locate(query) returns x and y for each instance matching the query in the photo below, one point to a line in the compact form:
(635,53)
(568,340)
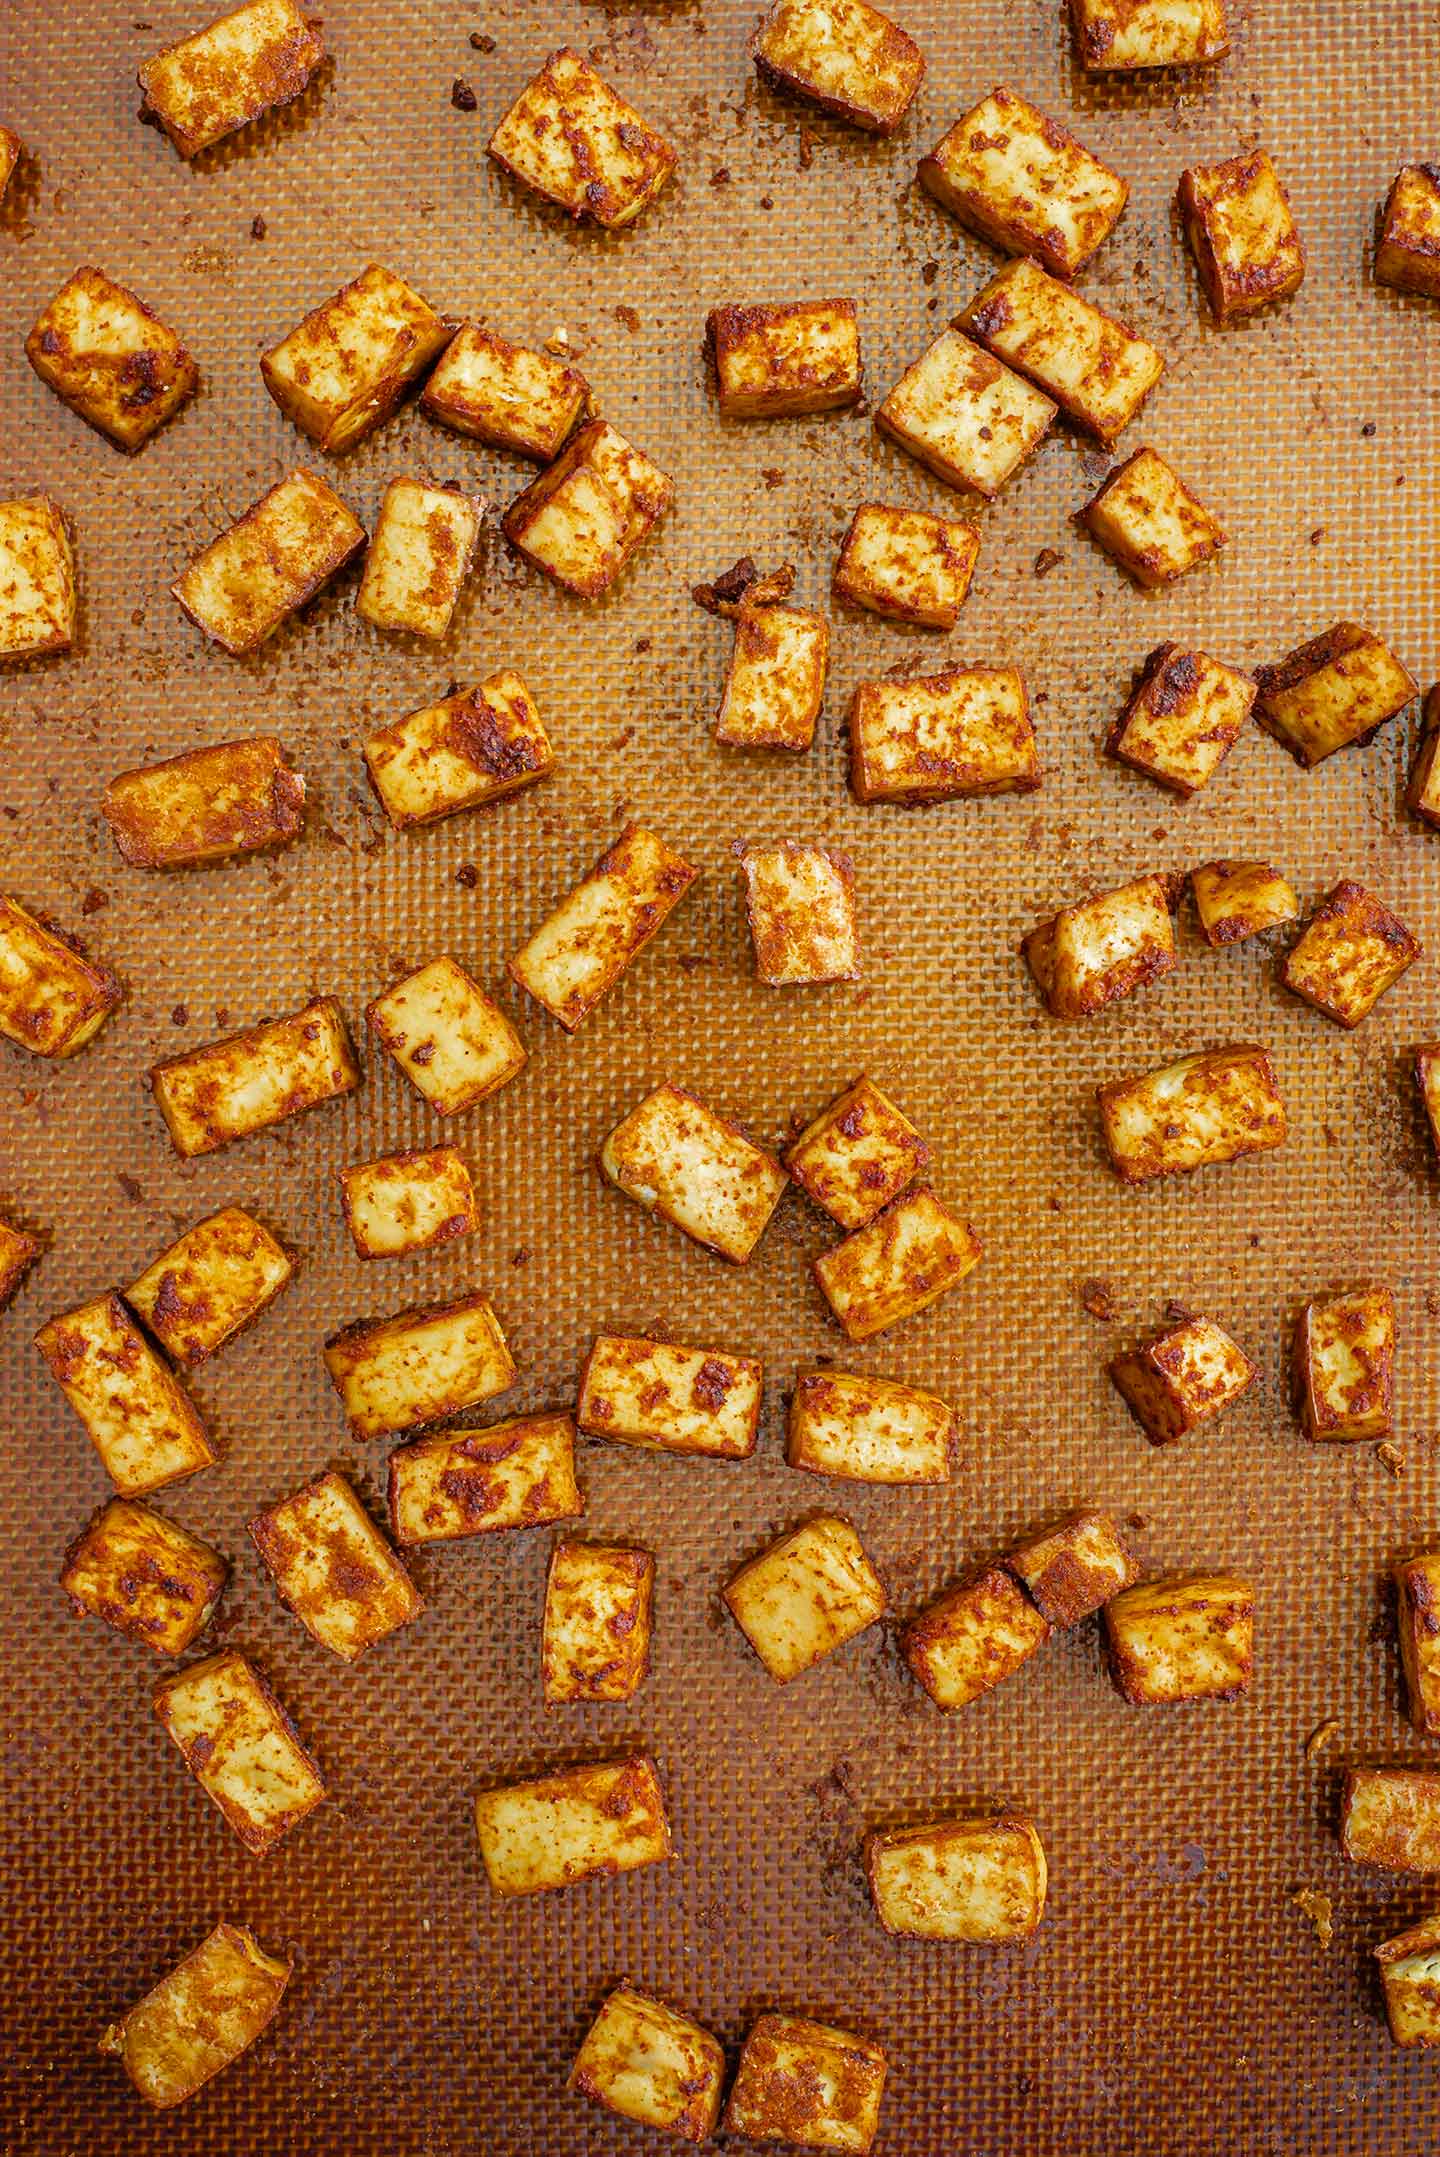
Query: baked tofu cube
(1129,34)
(578,954)
(843,56)
(471,748)
(868,1429)
(807,2085)
(676,1157)
(1184,1637)
(241,1747)
(958,1879)
(469,1482)
(1236,899)
(676,1400)
(243,1084)
(966,418)
(279,554)
(1417,1619)
(1023,182)
(595,1642)
(1091,954)
(1146,519)
(1339,688)
(1391,1817)
(906,565)
(1343,1367)
(210,1285)
(800,905)
(12,149)
(1094,367)
(37,579)
(899,1263)
(1407,249)
(1410,1978)
(451,1041)
(421,554)
(206,805)
(1427,1077)
(1211,1107)
(1182,1379)
(576,141)
(201,2016)
(583,519)
(256,57)
(777,362)
(776,682)
(604,1817)
(1351,951)
(506,395)
(334,1568)
(1073,1569)
(1422,795)
(419,1366)
(144,1576)
(941,737)
(408,1202)
(805,1596)
(52,998)
(1183,719)
(857,1155)
(114,362)
(644,2062)
(971,1637)
(18,1252)
(1241,232)
(139,1418)
(343,370)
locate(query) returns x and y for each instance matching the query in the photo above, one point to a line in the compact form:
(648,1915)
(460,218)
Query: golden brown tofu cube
(868,1429)
(474,747)
(1211,1107)
(334,1568)
(1410,1977)
(906,565)
(644,2062)
(1407,250)
(452,1042)
(966,418)
(842,55)
(799,901)
(576,141)
(200,2017)
(605,1817)
(1146,519)
(519,1474)
(578,954)
(210,1285)
(1183,719)
(1351,951)
(1417,1618)
(1236,899)
(971,1637)
(250,1080)
(595,1641)
(774,362)
(245,63)
(421,554)
(1241,232)
(206,805)
(1090,954)
(857,1155)
(1092,365)
(37,579)
(941,737)
(1427,1077)
(1129,34)
(677,1400)
(1422,795)
(1184,1637)
(958,1879)
(676,1157)
(1073,1569)
(52,998)
(241,1747)
(408,1202)
(144,1576)
(901,1262)
(776,681)
(18,1252)
(1339,688)
(419,1366)
(1391,1817)
(805,1596)
(114,362)
(12,149)
(1023,182)
(140,1420)
(279,554)
(1343,1367)
(506,395)
(581,520)
(343,370)
(1182,1379)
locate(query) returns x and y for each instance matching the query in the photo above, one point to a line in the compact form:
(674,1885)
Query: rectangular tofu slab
(1023,182)
(1147,520)
(210,1285)
(279,554)
(805,1596)
(1183,1378)
(940,737)
(1241,231)
(52,998)
(506,395)
(578,954)
(595,1639)
(906,565)
(799,902)
(1350,952)
(576,141)
(333,1567)
(1391,1817)
(1407,253)
(471,748)
(459,1483)
(141,1574)
(1236,899)
(1094,367)
(1214,1106)
(899,1263)
(1091,954)
(1343,1366)
(200,2017)
(776,681)
(1339,688)
(243,1084)
(676,1157)
(343,370)
(1071,1570)
(966,1880)
(808,2085)
(1183,720)
(204,805)
(976,1634)
(842,55)
(869,1430)
(241,65)
(966,418)
(858,1154)
(1417,1620)
(421,553)
(642,2061)
(779,361)
(1183,1637)
(37,578)
(605,1817)
(111,359)
(140,1420)
(1410,1978)
(241,1747)
(1132,34)
(581,520)
(675,1400)
(419,1366)
(408,1202)
(451,1040)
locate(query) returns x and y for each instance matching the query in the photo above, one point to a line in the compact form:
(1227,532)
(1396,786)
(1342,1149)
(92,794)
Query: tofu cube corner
(333,1567)
(582,520)
(1183,1637)
(342,371)
(238,797)
(451,1040)
(37,578)
(144,1576)
(906,565)
(779,361)
(1215,1106)
(111,359)
(1351,951)
(673,1399)
(1022,181)
(506,395)
(459,1483)
(972,1637)
(420,1365)
(200,2017)
(942,737)
(1417,1617)
(677,1158)
(1184,1378)
(1422,795)
(643,2061)
(1074,1568)
(1407,250)
(18,1253)
(1091,954)
(595,1638)
(470,749)
(1185,716)
(578,954)
(1410,1978)
(408,1202)
(800,905)
(140,1420)
(1427,1078)
(898,1264)
(970,1880)
(285,548)
(233,1088)
(603,1817)
(1241,231)
(1343,1366)
(241,1747)
(1236,899)
(842,55)
(805,1596)
(576,141)
(242,65)
(868,1430)
(1339,688)
(964,416)
(1092,365)
(858,1154)
(53,999)
(1133,34)
(421,553)
(1391,1817)
(1147,520)
(776,680)
(210,1285)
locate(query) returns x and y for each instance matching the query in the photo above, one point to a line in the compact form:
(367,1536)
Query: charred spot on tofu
(976,1634)
(1182,1637)
(605,1817)
(1093,366)
(37,579)
(677,1400)
(644,2062)
(284,549)
(343,370)
(1134,34)
(1211,1107)
(968,419)
(958,1879)
(243,64)
(595,1638)
(477,746)
(857,1155)
(111,359)
(506,395)
(842,55)
(1184,718)
(1351,951)
(1023,182)
(1242,234)
(1147,519)
(333,1567)
(243,1084)
(677,1158)
(579,954)
(774,361)
(965,731)
(1182,1379)
(805,1596)
(459,1483)
(1407,250)
(574,140)
(800,906)
(1236,899)
(53,999)
(238,797)
(582,520)
(200,2017)
(1091,954)
(241,1747)
(1339,688)
(1074,1568)
(18,1253)
(140,1573)
(1343,1366)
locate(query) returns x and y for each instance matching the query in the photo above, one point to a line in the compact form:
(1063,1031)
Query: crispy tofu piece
(1351,951)
(1091,954)
(408,1202)
(676,1157)
(805,1596)
(18,1252)
(140,1420)
(452,1042)
(201,2016)
(939,737)
(12,149)
(144,1576)
(1242,234)
(1182,1378)
(576,141)
(776,681)
(977,1633)
(807,2085)
(857,1155)
(422,552)
(966,418)
(899,1263)
(241,1747)
(578,954)
(779,361)
(644,2062)
(958,1879)
(420,1365)
(37,578)
(279,554)
(1417,1619)
(1147,520)
(334,1568)
(1407,248)
(519,1474)
(1073,1569)
(676,1400)
(906,565)
(1023,182)
(581,520)
(210,1285)
(1410,1978)
(206,805)
(243,1084)
(799,901)
(595,1641)
(471,748)
(1236,899)
(113,361)
(52,998)
(1183,719)
(1422,795)
(868,1429)
(843,56)
(343,370)
(1214,1106)
(1129,34)
(1343,1366)
(245,63)
(1391,1817)
(1093,366)
(1427,1077)
(506,395)
(1339,688)
(603,1817)
(1183,1637)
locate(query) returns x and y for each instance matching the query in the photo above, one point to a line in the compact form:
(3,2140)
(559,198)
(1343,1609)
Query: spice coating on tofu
(1242,234)
(420,1365)
(141,1422)
(906,565)
(241,65)
(1343,1366)
(1183,1379)
(644,2062)
(345,368)
(149,1579)
(1093,366)
(1134,34)
(1391,1817)
(53,999)
(1183,1637)
(333,1567)
(1211,1107)
(210,1285)
(206,805)
(808,2085)
(842,55)
(870,1430)
(1422,795)
(965,731)
(1407,251)
(805,1596)
(1427,1078)
(421,553)
(1352,950)
(241,1747)
(579,954)
(1024,183)
(1074,1568)
(676,1157)
(899,1263)
(408,1202)
(968,419)
(37,579)
(279,554)
(1417,1618)
(972,1637)
(1236,899)
(605,1817)
(1337,689)
(506,395)
(575,140)
(200,2017)
(111,359)
(1147,519)
(966,1880)
(677,1400)
(776,361)
(858,1154)
(581,520)
(1183,719)
(243,1084)
(12,149)
(451,1040)
(1091,954)
(595,1637)
(474,747)
(519,1474)
(776,680)
(18,1252)
(1410,1976)
(799,901)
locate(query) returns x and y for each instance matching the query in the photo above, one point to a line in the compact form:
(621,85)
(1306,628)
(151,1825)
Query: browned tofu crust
(111,358)
(1391,1817)
(1074,1568)
(1238,221)
(205,1106)
(807,2085)
(1023,182)
(842,55)
(1410,1975)
(1136,34)
(259,55)
(1185,716)
(1352,950)
(333,1568)
(1407,251)
(1215,1106)
(785,359)
(200,2017)
(53,998)
(581,520)
(1417,1619)
(269,562)
(1339,688)
(18,1252)
(574,139)
(141,1574)
(206,804)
